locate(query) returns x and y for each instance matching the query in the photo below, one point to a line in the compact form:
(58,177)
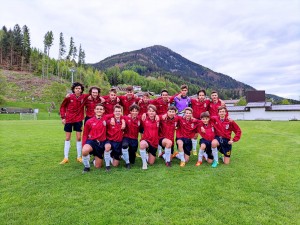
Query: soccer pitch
(260,186)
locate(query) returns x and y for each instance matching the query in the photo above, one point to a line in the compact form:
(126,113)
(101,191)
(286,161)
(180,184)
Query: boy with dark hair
(110,101)
(114,134)
(186,130)
(131,133)
(168,124)
(199,105)
(214,104)
(206,130)
(149,139)
(94,138)
(72,114)
(91,102)
(224,129)
(143,103)
(182,100)
(128,99)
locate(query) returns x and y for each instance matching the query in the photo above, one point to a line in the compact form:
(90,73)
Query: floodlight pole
(72,70)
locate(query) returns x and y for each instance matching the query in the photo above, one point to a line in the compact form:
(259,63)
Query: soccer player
(162,103)
(91,102)
(224,129)
(94,138)
(181,101)
(166,132)
(186,130)
(110,101)
(206,130)
(143,103)
(199,105)
(114,134)
(131,133)
(149,139)
(128,99)
(72,114)
(214,104)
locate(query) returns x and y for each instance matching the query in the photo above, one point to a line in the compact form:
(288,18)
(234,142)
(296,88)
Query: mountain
(161,60)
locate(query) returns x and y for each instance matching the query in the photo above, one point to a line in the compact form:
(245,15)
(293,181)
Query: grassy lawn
(260,186)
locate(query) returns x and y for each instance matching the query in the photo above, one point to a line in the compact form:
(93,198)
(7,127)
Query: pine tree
(62,51)
(17,47)
(71,49)
(48,42)
(26,49)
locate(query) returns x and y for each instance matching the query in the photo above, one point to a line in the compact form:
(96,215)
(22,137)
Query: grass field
(260,186)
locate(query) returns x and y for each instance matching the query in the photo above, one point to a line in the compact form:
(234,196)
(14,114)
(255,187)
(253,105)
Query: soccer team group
(112,125)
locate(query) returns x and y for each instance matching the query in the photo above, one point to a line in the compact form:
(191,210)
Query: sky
(253,41)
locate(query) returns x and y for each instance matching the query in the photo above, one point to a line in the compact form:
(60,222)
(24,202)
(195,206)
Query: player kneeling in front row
(115,127)
(149,139)
(166,132)
(223,129)
(94,138)
(206,130)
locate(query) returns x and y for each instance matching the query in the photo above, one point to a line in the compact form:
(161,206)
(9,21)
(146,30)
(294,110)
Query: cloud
(256,42)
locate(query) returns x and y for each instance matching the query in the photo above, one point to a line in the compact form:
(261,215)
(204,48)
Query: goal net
(28,116)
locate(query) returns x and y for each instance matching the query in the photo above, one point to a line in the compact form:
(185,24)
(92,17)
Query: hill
(161,60)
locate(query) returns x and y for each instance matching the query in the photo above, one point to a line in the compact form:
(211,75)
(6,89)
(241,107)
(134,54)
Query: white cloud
(256,42)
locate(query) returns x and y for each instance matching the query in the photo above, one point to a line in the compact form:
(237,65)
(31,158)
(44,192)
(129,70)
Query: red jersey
(209,134)
(126,103)
(132,127)
(143,106)
(94,129)
(186,128)
(150,131)
(72,108)
(213,108)
(167,127)
(114,132)
(90,105)
(224,128)
(109,104)
(199,107)
(161,106)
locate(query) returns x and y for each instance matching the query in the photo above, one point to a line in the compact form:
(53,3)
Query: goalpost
(28,116)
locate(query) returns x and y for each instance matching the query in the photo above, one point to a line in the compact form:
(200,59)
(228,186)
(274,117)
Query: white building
(264,111)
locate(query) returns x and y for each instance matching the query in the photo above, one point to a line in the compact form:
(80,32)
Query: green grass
(260,186)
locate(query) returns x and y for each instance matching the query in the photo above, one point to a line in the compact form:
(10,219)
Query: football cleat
(107,169)
(198,163)
(182,164)
(161,154)
(175,154)
(194,152)
(145,166)
(168,164)
(137,155)
(65,160)
(79,159)
(214,164)
(86,170)
(127,165)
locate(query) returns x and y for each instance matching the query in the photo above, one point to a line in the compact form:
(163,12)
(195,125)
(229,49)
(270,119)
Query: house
(264,111)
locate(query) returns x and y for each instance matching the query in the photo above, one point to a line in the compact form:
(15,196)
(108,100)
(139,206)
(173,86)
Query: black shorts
(160,143)
(86,119)
(187,145)
(116,149)
(207,148)
(224,147)
(151,149)
(98,147)
(129,143)
(77,126)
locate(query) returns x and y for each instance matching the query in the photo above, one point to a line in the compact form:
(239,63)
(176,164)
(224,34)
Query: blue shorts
(77,126)
(160,143)
(224,147)
(187,145)
(116,148)
(98,147)
(129,143)
(207,148)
